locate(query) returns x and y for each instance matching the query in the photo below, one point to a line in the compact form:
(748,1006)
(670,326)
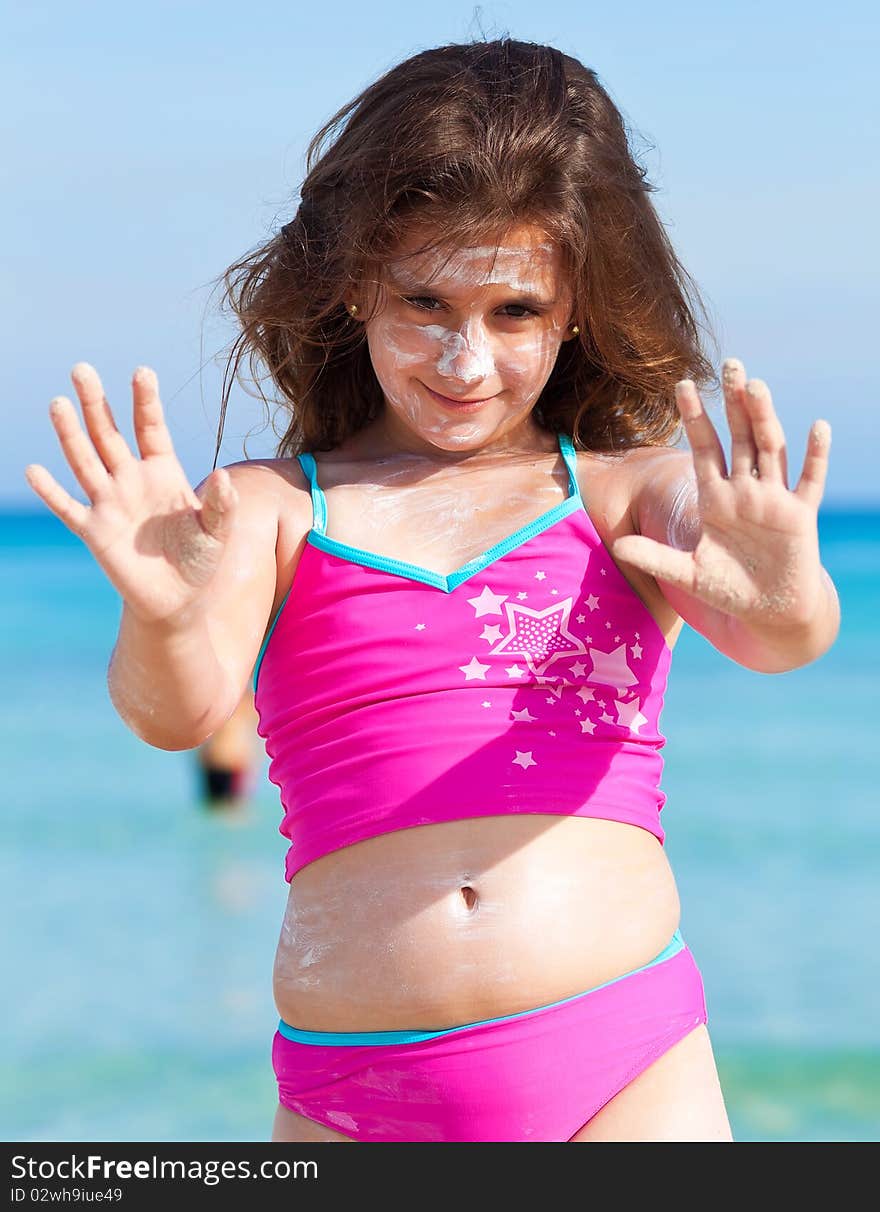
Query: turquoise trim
(359,1038)
(319,501)
(569,454)
(269,637)
(413,572)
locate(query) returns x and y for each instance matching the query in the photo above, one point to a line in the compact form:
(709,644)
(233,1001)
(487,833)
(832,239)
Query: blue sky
(149,145)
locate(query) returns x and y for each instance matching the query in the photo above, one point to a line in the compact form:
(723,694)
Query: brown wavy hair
(462,142)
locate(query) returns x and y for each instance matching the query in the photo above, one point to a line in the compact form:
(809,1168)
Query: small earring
(574,330)
(353,309)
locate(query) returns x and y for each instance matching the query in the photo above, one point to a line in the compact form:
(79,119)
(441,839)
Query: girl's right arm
(195,568)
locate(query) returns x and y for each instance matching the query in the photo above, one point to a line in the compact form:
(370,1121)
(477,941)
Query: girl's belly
(445,924)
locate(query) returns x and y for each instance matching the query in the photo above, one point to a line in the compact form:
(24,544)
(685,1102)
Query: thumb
(656,559)
(218,502)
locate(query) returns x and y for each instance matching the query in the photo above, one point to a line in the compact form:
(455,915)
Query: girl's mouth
(470,405)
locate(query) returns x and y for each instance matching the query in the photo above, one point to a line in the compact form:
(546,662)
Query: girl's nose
(467,356)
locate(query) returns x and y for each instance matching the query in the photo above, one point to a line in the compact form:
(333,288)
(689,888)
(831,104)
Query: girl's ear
(571,331)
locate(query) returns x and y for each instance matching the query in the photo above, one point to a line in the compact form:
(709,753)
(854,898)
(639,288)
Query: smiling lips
(455,403)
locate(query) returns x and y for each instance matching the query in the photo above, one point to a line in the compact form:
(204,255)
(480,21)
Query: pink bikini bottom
(539,1075)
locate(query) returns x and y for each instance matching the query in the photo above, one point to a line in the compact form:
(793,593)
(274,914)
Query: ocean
(139,929)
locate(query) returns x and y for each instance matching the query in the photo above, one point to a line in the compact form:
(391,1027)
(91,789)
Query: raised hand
(157,540)
(757,557)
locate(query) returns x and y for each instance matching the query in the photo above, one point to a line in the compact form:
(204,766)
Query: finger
(705,445)
(218,500)
(111,446)
(811,485)
(743,452)
(767,429)
(150,430)
(657,560)
(71,512)
(78,450)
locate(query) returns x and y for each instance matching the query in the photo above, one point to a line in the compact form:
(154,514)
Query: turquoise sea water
(139,931)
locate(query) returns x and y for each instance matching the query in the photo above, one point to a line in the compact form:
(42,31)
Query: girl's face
(463,344)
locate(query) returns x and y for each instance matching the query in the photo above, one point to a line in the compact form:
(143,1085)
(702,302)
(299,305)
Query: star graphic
(488,602)
(540,636)
(579,669)
(474,670)
(586,694)
(582,618)
(593,602)
(524,716)
(420,627)
(553,591)
(514,671)
(524,759)
(607,717)
(588,726)
(522,596)
(629,715)
(636,650)
(540,576)
(491,633)
(485,703)
(611,669)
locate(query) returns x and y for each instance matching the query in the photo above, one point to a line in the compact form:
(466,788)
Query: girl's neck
(387,438)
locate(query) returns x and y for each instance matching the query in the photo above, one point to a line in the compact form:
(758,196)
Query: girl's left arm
(735,552)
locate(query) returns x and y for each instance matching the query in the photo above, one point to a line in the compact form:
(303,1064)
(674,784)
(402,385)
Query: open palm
(758,553)
(157,540)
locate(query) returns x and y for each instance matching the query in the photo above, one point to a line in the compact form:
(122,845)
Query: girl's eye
(426,302)
(423,302)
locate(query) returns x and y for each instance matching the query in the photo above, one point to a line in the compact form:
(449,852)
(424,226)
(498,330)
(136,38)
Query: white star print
(540,636)
(522,596)
(524,759)
(611,669)
(474,670)
(514,671)
(488,602)
(486,703)
(579,669)
(492,634)
(588,726)
(586,694)
(582,618)
(606,716)
(554,591)
(629,715)
(420,627)
(592,601)
(636,650)
(540,576)
(524,716)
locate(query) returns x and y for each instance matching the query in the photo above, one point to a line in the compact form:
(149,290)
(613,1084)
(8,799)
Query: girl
(457,590)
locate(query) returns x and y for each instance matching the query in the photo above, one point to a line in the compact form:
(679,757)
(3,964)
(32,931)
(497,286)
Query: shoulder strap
(319,503)
(566,449)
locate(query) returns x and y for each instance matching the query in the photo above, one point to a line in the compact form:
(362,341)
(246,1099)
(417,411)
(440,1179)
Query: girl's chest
(438,527)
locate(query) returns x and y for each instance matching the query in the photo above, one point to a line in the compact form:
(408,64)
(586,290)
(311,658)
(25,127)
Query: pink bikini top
(530,680)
